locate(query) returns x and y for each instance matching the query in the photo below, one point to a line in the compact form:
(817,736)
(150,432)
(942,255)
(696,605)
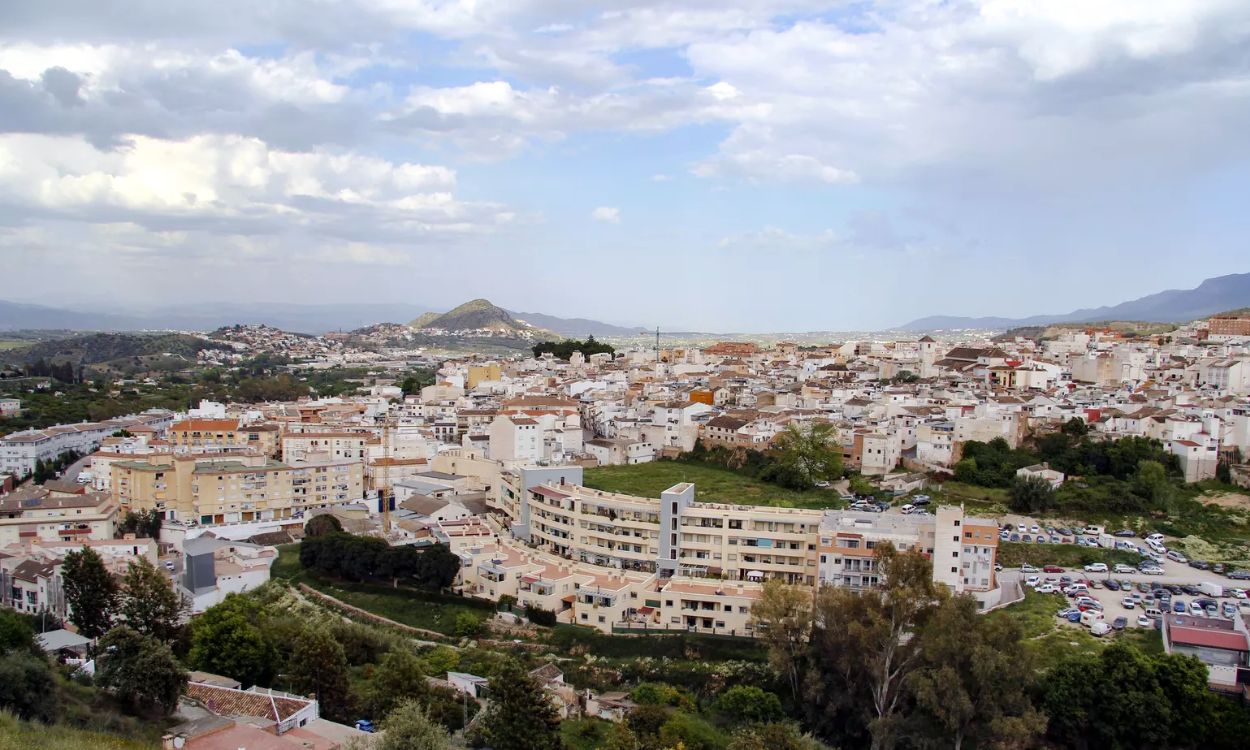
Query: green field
(418,609)
(1012,554)
(16,734)
(986,501)
(1051,640)
(712,485)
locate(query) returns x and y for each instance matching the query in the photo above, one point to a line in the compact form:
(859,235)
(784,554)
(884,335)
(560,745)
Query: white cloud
(607,214)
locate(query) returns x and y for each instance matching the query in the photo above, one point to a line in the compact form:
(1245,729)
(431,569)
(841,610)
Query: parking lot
(1112,602)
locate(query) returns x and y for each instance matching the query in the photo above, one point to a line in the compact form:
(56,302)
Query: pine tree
(149,603)
(90,592)
(521,716)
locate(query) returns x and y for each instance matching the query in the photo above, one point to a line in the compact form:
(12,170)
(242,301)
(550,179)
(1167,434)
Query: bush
(468,625)
(28,687)
(747,703)
(540,616)
(692,732)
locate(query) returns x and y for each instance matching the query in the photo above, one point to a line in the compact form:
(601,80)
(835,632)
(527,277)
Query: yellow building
(482,374)
(214,490)
(223,436)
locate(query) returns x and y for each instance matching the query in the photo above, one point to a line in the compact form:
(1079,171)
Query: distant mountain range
(577,328)
(1172,306)
(315,319)
(297,318)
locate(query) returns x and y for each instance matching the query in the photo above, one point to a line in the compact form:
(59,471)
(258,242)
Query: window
(953,570)
(955,553)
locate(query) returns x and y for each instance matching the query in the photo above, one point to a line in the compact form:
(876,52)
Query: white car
(1032,580)
(1238,593)
(1151,570)
(1096,568)
(1122,568)
(1128,603)
(1026,568)
(1099,629)
(1144,622)
(1046,588)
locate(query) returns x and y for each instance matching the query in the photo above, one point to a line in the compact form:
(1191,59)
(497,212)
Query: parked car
(1229,610)
(1099,629)
(1128,603)
(1096,568)
(1144,621)
(1237,593)
(1239,575)
(1046,588)
(1015,537)
(1175,556)
(1026,568)
(1178,606)
(1064,530)
(1119,623)
(1200,564)
(1052,569)
(1125,533)
(1150,570)
(1032,580)
(1191,589)
(1067,612)
(1218,568)
(1122,568)
(1111,584)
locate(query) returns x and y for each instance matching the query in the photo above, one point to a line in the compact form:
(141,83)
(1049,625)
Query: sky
(744,165)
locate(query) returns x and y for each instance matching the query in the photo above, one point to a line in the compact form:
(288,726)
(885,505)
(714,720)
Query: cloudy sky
(715,164)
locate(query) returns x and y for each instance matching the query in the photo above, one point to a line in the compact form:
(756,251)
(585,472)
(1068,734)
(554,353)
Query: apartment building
(223,436)
(21,451)
(231,489)
(37,513)
(963,549)
(673,534)
(303,446)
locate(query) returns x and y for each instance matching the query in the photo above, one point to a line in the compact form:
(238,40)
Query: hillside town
(490,459)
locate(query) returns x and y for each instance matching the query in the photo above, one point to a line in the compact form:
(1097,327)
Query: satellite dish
(179,741)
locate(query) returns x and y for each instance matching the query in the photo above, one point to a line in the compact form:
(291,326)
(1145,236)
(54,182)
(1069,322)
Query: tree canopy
(90,592)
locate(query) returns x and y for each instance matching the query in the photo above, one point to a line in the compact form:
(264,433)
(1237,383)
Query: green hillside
(120,351)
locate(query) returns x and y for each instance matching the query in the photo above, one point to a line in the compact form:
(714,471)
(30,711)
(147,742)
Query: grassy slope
(712,485)
(406,606)
(1051,641)
(15,734)
(1071,556)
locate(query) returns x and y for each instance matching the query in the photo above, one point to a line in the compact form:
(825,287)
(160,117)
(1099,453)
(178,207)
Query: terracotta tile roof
(231,702)
(206,425)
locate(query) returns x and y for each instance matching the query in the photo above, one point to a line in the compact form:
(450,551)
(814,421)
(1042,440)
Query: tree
(859,658)
(1031,495)
(620,737)
(400,675)
(969,685)
(749,704)
(520,715)
(777,736)
(227,640)
(783,618)
(321,525)
(16,633)
(140,669)
(690,731)
(149,603)
(1075,428)
(1151,483)
(806,455)
(318,666)
(27,686)
(90,592)
(409,727)
(467,625)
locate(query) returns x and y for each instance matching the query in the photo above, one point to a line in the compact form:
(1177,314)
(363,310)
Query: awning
(755,574)
(529,579)
(645,611)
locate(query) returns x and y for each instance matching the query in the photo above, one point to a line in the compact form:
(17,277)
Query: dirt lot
(1233,500)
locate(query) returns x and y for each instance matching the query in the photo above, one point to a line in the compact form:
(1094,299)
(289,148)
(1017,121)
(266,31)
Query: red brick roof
(231,702)
(1230,640)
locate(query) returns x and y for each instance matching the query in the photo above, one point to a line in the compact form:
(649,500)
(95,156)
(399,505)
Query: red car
(1052,569)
